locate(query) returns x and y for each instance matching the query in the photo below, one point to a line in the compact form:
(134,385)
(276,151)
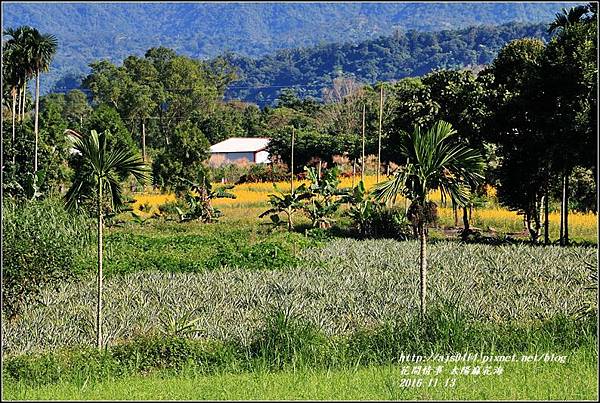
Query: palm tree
(40,49)
(566,18)
(102,167)
(436,161)
(23,67)
(17,70)
(11,80)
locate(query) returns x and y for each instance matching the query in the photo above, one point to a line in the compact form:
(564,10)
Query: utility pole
(566,209)
(319,171)
(546,223)
(362,168)
(143,141)
(292,163)
(380,127)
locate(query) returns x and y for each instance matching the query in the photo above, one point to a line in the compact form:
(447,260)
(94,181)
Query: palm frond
(434,162)
(112,188)
(123,160)
(103,164)
(387,190)
(73,195)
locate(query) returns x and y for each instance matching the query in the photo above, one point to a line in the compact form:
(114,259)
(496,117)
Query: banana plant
(199,199)
(362,207)
(33,184)
(325,201)
(288,204)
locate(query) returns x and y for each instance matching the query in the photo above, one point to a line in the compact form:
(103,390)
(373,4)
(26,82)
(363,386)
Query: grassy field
(574,380)
(346,307)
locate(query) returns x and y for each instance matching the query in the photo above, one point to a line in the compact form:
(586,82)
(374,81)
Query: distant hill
(383,59)
(92,31)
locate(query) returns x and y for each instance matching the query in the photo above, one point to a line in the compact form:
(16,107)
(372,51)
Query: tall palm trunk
(535,232)
(14,102)
(423,267)
(99,296)
(290,222)
(143,141)
(19,105)
(37,113)
(564,211)
(455,212)
(24,101)
(466,220)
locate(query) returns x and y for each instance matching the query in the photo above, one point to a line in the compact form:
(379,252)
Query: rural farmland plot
(345,286)
(407,217)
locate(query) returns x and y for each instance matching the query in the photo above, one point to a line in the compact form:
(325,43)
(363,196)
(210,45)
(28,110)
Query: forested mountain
(92,31)
(383,59)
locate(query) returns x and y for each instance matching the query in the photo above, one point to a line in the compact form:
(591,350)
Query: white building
(237,149)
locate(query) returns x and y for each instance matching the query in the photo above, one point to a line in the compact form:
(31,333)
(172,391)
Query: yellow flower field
(254,196)
(246,194)
(152,199)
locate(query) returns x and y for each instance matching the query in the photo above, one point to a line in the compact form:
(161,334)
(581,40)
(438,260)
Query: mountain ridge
(113,31)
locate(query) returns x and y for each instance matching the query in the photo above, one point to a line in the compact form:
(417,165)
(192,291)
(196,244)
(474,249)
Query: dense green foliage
(387,58)
(543,97)
(217,246)
(53,152)
(115,31)
(372,218)
(287,342)
(182,158)
(42,245)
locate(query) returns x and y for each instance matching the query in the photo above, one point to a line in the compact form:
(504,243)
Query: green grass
(286,343)
(194,247)
(574,380)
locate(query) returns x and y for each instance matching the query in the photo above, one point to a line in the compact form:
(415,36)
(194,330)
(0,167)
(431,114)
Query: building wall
(232,157)
(262,157)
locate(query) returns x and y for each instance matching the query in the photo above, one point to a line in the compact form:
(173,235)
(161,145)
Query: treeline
(113,30)
(531,113)
(408,54)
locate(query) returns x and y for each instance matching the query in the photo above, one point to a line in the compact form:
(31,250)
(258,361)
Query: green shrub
(386,222)
(42,245)
(372,219)
(147,353)
(265,173)
(170,208)
(199,196)
(79,366)
(287,341)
